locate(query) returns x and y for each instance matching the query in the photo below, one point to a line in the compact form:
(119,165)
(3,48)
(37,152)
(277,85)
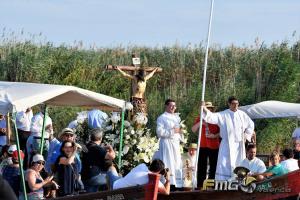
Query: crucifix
(138,76)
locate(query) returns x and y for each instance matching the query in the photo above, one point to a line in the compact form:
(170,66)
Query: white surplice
(235,127)
(169,144)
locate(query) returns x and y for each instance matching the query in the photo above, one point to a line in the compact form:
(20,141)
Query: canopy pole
(8,129)
(203,93)
(19,155)
(121,140)
(43,129)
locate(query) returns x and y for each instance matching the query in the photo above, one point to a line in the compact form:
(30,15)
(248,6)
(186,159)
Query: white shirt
(137,176)
(255,165)
(24,120)
(290,164)
(296,133)
(37,124)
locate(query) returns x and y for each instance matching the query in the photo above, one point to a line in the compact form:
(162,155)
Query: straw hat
(66,131)
(193,146)
(209,104)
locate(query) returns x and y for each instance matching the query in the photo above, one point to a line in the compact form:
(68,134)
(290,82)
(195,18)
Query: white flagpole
(203,93)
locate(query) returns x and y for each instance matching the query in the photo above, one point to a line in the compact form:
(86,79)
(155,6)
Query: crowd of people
(66,168)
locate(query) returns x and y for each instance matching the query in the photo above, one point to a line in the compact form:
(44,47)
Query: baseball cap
(12,148)
(37,157)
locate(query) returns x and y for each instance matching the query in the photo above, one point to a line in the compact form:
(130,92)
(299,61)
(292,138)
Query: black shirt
(94,161)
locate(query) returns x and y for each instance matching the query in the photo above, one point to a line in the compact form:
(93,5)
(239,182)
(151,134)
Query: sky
(152,23)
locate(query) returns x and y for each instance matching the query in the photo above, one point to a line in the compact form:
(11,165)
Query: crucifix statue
(138,76)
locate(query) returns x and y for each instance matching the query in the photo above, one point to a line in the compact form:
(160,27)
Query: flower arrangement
(139,146)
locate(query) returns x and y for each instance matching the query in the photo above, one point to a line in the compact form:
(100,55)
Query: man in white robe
(235,127)
(169,132)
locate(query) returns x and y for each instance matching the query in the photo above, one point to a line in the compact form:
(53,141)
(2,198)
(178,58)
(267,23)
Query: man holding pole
(209,147)
(235,126)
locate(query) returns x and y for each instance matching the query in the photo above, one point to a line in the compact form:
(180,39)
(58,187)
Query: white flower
(132,132)
(133,142)
(115,117)
(146,159)
(127,137)
(127,123)
(125,149)
(182,125)
(128,106)
(140,118)
(81,116)
(139,132)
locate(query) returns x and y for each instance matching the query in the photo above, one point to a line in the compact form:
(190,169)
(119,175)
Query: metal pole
(43,129)
(19,155)
(121,140)
(203,93)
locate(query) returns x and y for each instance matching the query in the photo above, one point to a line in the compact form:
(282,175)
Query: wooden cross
(130,72)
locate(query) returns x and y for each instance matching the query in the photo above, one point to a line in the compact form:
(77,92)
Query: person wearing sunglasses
(33,179)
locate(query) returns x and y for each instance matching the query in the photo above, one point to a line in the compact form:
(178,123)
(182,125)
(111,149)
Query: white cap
(12,148)
(37,157)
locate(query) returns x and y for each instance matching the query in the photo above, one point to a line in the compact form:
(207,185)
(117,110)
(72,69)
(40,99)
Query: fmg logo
(246,185)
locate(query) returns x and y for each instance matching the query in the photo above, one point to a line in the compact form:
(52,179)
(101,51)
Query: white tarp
(20,95)
(272,109)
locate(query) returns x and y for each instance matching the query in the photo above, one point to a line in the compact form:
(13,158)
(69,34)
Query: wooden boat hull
(141,192)
(283,187)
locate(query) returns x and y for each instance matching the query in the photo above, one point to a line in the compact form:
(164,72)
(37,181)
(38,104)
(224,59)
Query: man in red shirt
(209,147)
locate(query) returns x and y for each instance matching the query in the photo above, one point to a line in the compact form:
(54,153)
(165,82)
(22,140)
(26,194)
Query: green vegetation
(253,74)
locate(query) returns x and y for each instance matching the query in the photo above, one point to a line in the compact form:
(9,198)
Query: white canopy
(272,109)
(18,96)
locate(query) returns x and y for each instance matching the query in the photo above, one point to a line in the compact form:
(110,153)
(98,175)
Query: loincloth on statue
(139,105)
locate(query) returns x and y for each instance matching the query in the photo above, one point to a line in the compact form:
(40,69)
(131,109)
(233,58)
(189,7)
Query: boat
(282,187)
(140,192)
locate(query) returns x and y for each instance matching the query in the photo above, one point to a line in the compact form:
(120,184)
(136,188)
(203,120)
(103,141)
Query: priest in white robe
(235,127)
(169,134)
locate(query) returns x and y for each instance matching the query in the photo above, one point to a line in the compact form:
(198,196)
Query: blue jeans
(112,177)
(92,185)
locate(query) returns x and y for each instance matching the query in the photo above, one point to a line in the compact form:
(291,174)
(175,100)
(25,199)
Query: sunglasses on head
(41,162)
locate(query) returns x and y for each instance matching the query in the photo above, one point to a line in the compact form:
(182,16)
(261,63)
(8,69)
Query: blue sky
(152,23)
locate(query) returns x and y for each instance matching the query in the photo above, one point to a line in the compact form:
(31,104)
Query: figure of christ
(138,88)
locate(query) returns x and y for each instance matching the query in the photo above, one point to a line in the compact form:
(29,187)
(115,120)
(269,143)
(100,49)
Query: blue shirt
(54,145)
(277,170)
(96,118)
